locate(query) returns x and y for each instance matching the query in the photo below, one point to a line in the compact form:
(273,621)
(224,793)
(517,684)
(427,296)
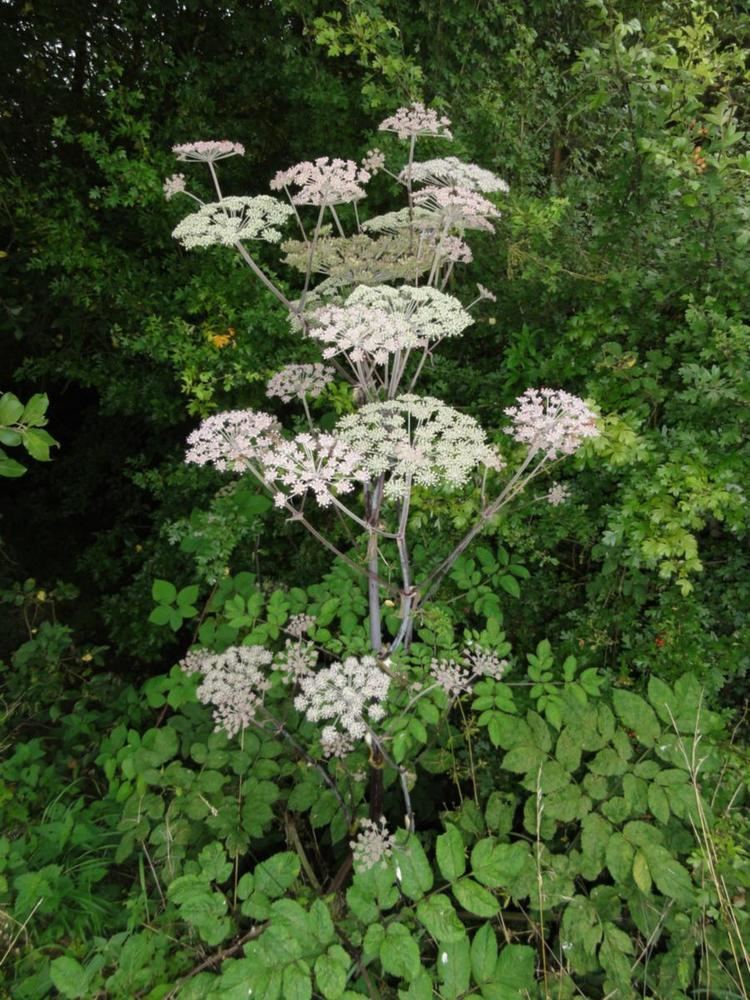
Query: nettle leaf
(637,714)
(475,898)
(438,915)
(450,853)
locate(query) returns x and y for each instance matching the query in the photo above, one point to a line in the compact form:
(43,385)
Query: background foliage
(621,274)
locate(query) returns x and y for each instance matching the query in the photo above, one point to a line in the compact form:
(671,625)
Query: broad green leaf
(35,410)
(641,873)
(450,853)
(484,954)
(658,803)
(10,468)
(163,592)
(399,952)
(296,981)
(454,968)
(670,877)
(188,595)
(275,875)
(496,865)
(636,714)
(161,615)
(11,409)
(619,857)
(475,898)
(515,967)
(69,977)
(331,973)
(437,914)
(413,870)
(37,443)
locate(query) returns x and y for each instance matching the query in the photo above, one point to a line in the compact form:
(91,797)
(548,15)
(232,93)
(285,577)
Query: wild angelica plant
(375,303)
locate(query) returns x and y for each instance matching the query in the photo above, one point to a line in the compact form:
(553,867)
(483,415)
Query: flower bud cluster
(551,421)
(173,185)
(559,493)
(350,694)
(300,624)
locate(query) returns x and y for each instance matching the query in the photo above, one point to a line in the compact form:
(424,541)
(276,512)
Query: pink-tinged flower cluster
(232,220)
(173,185)
(415,121)
(323,182)
(298,381)
(208,152)
(362,331)
(458,207)
(233,684)
(551,421)
(373,161)
(349,694)
(322,463)
(558,494)
(485,663)
(451,677)
(454,249)
(372,844)
(452,172)
(296,660)
(335,744)
(231,440)
(299,625)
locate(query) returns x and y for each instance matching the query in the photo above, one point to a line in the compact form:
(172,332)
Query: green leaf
(619,857)
(413,870)
(641,873)
(275,875)
(11,409)
(296,983)
(496,865)
(637,714)
(515,968)
(483,954)
(161,615)
(331,973)
(399,952)
(450,853)
(10,468)
(475,898)
(658,803)
(9,437)
(35,410)
(568,750)
(454,968)
(510,585)
(68,976)
(188,596)
(163,592)
(437,914)
(37,444)
(670,877)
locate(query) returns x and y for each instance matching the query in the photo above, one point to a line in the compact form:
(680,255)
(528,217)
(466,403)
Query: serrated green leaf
(437,914)
(163,592)
(451,854)
(69,977)
(641,873)
(636,714)
(484,954)
(475,898)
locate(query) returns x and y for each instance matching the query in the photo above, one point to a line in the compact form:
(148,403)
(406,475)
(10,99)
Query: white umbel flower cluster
(234,684)
(349,694)
(230,440)
(372,844)
(452,678)
(551,421)
(559,493)
(449,171)
(361,332)
(485,663)
(335,744)
(323,463)
(432,314)
(299,625)
(417,439)
(417,120)
(232,220)
(297,659)
(298,381)
(208,152)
